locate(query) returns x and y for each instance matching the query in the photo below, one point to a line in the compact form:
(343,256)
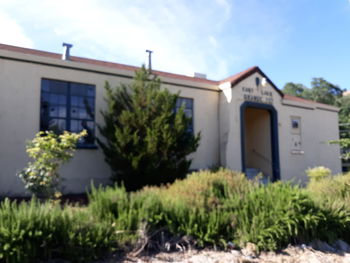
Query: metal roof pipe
(66,51)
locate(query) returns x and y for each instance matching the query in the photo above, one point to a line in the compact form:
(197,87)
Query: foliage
(273,216)
(215,208)
(49,151)
(317,173)
(332,194)
(335,189)
(325,92)
(191,207)
(210,208)
(344,117)
(295,89)
(146,140)
(34,231)
(321,91)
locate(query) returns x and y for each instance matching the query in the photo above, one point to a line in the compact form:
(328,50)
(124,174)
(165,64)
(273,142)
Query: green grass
(213,208)
(40,231)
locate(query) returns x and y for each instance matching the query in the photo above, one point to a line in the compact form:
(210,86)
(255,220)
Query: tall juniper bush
(146,138)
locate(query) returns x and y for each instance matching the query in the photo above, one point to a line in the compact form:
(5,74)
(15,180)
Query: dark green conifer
(146,139)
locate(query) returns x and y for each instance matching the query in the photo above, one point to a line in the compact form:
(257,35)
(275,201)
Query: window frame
(192,109)
(68,105)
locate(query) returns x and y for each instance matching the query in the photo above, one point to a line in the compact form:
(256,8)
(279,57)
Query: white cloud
(12,34)
(186,37)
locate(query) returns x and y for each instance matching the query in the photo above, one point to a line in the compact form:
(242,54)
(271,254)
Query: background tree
(294,89)
(146,140)
(325,92)
(321,91)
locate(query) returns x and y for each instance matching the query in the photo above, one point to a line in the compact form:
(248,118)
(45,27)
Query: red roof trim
(103,63)
(302,100)
(235,79)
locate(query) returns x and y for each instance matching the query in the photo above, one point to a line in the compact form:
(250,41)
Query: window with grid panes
(188,109)
(68,106)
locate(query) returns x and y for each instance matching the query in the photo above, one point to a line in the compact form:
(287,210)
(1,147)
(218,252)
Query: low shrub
(318,173)
(273,216)
(217,207)
(35,231)
(190,207)
(333,190)
(211,208)
(206,189)
(332,194)
(126,211)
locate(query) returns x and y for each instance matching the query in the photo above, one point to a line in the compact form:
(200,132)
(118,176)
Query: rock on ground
(292,254)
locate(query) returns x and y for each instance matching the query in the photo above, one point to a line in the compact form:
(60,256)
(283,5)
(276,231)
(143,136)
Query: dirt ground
(292,254)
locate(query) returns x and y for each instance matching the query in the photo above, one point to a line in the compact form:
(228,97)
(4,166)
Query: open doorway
(259,145)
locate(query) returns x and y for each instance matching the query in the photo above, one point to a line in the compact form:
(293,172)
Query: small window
(295,125)
(68,106)
(188,109)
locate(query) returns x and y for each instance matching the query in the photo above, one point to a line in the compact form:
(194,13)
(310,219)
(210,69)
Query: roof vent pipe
(66,49)
(149,60)
(199,75)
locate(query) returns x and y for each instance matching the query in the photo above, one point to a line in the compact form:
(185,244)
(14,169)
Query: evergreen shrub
(146,141)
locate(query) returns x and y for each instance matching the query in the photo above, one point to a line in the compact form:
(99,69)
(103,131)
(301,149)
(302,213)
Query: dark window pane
(90,91)
(74,101)
(58,86)
(53,111)
(57,97)
(53,99)
(62,112)
(45,85)
(74,112)
(45,97)
(187,103)
(90,102)
(81,101)
(57,125)
(82,113)
(188,113)
(90,128)
(77,89)
(62,99)
(74,126)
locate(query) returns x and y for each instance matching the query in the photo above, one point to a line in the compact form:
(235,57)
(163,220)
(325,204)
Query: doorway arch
(273,126)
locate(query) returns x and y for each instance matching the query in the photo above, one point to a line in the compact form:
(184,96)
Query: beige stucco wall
(216,116)
(20,84)
(319,124)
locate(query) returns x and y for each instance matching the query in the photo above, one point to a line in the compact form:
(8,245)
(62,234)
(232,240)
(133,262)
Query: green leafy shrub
(35,231)
(273,216)
(146,140)
(206,188)
(318,173)
(128,212)
(217,207)
(333,190)
(49,151)
(332,194)
(190,207)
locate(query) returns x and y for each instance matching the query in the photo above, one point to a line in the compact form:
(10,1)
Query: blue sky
(290,40)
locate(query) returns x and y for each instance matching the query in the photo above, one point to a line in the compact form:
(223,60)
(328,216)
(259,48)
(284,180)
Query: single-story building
(246,122)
